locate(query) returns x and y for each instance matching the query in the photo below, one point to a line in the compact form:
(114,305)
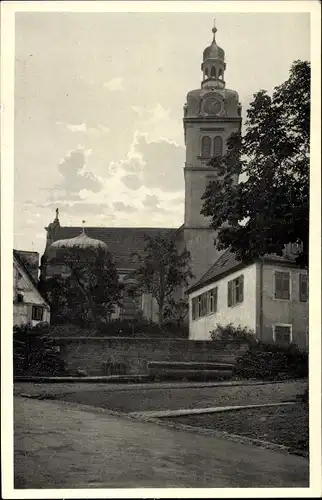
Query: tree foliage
(269,207)
(91,288)
(161,270)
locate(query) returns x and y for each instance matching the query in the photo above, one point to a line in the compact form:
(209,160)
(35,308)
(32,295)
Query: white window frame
(34,309)
(290,285)
(283,324)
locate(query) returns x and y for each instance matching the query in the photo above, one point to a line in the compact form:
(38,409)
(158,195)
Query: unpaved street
(59,446)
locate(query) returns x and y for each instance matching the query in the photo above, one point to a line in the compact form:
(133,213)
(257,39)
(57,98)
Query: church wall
(92,354)
(200,243)
(197,174)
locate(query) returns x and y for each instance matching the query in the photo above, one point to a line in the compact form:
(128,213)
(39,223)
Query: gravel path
(149,397)
(59,446)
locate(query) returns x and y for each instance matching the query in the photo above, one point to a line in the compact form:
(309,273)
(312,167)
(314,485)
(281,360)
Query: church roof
(121,242)
(227,263)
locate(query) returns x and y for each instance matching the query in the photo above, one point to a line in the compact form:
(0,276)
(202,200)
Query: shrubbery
(121,328)
(231,333)
(262,361)
(34,352)
(272,362)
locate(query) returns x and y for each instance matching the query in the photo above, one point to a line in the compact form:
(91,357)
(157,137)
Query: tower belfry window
(218,146)
(213,72)
(206,147)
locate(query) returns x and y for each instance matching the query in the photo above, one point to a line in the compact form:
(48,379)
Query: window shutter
(278,285)
(194,308)
(215,298)
(303,288)
(230,293)
(204,303)
(209,301)
(285,285)
(241,288)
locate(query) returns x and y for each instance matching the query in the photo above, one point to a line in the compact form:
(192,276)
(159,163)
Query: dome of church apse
(82,241)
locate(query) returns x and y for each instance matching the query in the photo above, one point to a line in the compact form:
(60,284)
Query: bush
(34,352)
(229,333)
(272,362)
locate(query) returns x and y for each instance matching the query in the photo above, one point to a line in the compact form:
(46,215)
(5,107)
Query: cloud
(85,129)
(151,201)
(74,175)
(79,208)
(132,181)
(75,179)
(114,84)
(158,164)
(119,206)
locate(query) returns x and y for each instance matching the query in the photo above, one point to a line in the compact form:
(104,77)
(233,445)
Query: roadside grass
(283,425)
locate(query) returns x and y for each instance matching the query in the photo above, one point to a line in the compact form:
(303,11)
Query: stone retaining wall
(92,355)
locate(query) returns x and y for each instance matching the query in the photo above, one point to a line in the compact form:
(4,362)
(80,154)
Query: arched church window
(206,147)
(218,146)
(213,72)
(206,72)
(220,74)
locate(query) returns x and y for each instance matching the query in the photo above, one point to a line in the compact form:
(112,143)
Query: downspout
(261,315)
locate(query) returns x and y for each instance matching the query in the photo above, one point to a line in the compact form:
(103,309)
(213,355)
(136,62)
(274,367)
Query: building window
(282,334)
(212,300)
(303,288)
(206,147)
(205,303)
(282,285)
(213,72)
(37,313)
(235,291)
(20,296)
(218,146)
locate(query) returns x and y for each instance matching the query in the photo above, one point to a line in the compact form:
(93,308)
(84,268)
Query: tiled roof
(30,277)
(121,242)
(228,262)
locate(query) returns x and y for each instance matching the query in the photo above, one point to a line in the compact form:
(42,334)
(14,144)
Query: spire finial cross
(214,29)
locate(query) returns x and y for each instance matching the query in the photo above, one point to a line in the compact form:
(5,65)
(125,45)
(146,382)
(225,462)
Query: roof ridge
(29,276)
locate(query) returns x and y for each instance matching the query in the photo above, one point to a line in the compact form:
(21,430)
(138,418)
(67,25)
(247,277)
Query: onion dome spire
(213,65)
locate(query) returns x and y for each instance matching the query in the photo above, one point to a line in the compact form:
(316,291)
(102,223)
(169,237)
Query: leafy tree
(162,269)
(177,310)
(92,290)
(269,208)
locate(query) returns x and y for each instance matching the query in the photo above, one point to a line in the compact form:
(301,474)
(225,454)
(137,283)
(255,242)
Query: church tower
(211,114)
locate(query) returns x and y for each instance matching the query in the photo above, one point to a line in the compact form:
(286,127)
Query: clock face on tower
(212,106)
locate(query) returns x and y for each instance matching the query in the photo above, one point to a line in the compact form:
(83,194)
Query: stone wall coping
(145,339)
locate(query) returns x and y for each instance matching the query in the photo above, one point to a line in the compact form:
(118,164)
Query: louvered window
(282,334)
(235,291)
(282,285)
(218,146)
(212,300)
(206,147)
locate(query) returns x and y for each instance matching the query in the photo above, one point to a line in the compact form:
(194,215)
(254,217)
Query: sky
(99,103)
